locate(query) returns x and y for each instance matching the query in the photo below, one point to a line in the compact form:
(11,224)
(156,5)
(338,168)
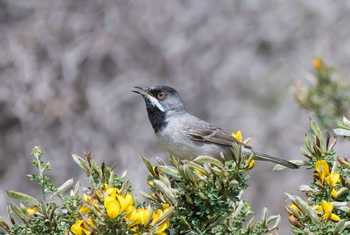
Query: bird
(187,136)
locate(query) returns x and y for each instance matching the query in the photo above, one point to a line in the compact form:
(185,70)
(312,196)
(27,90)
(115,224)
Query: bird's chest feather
(175,139)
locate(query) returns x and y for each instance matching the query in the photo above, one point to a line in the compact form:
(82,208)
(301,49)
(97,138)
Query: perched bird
(185,135)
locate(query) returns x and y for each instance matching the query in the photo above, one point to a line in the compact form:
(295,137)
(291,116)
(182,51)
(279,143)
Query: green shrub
(324,210)
(206,195)
(325,96)
(202,196)
(106,206)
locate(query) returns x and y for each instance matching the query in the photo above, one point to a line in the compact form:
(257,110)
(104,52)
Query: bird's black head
(160,101)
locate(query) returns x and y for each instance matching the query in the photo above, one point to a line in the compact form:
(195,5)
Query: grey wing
(207,133)
(204,132)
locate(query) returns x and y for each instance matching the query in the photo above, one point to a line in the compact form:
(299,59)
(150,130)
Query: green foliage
(43,168)
(326,97)
(325,209)
(202,196)
(45,216)
(106,207)
(206,194)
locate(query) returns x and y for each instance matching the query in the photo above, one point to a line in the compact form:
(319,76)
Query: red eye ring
(161,95)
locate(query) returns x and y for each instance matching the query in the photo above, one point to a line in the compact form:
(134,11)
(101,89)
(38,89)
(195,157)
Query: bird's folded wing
(213,135)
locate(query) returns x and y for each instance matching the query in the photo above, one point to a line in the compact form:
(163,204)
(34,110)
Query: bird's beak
(141,91)
(147,96)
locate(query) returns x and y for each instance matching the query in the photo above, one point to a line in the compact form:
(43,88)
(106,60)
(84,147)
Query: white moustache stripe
(155,102)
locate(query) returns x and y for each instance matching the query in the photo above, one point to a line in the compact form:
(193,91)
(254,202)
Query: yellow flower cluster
(331,179)
(325,209)
(238,136)
(32,210)
(156,218)
(116,203)
(327,179)
(83,227)
(325,176)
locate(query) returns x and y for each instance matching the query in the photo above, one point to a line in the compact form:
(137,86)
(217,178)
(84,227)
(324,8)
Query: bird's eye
(161,95)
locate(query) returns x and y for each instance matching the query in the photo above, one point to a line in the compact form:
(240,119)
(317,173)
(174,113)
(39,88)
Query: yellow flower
(165,206)
(126,202)
(317,63)
(111,191)
(84,210)
(237,136)
(112,207)
(332,179)
(115,203)
(294,209)
(77,228)
(139,216)
(32,210)
(80,228)
(326,209)
(334,193)
(250,163)
(322,169)
(143,215)
(164,225)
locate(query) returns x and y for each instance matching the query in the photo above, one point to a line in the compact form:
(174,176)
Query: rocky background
(67,66)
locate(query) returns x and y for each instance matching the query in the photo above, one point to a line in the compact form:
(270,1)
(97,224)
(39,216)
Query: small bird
(187,136)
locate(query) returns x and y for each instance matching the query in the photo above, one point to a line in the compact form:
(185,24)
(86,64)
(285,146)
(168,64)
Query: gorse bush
(325,209)
(106,206)
(202,196)
(109,207)
(46,215)
(325,96)
(206,195)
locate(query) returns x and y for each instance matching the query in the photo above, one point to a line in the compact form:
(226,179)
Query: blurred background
(66,69)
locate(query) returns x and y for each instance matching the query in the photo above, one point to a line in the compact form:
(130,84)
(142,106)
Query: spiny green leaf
(23,198)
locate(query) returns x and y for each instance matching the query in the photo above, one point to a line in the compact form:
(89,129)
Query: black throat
(157,118)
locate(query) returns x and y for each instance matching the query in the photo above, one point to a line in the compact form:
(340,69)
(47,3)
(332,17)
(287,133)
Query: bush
(325,96)
(206,196)
(325,209)
(202,196)
(106,206)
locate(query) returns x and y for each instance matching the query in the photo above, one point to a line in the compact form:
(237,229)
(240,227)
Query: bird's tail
(268,158)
